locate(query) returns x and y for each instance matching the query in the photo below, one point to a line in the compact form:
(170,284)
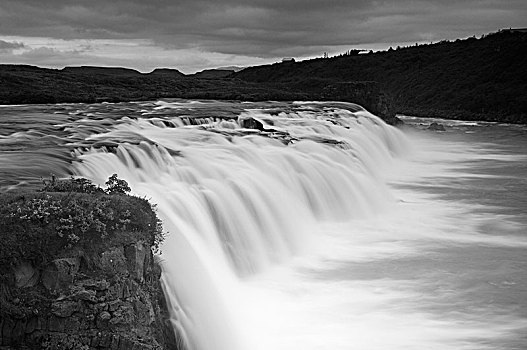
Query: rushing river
(307,226)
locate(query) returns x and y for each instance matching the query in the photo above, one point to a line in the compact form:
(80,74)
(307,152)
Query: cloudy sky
(191,35)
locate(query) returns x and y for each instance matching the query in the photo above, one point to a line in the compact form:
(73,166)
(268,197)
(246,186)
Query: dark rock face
(26,275)
(368,94)
(121,306)
(251,123)
(436,127)
(60,273)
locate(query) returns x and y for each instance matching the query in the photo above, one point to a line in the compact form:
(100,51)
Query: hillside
(21,84)
(471,79)
(483,79)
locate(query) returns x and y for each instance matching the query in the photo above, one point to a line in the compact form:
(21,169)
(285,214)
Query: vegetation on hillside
(470,79)
(27,84)
(482,78)
(21,84)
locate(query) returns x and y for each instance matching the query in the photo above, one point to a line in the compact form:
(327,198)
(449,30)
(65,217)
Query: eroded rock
(113,262)
(65,308)
(135,256)
(26,275)
(118,307)
(60,273)
(436,127)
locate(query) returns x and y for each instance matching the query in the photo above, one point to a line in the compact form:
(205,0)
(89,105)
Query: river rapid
(307,225)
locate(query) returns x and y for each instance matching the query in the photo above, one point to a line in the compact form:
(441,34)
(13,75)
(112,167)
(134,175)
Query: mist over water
(315,225)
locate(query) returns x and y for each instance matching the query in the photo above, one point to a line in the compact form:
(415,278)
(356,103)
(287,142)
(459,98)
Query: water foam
(289,238)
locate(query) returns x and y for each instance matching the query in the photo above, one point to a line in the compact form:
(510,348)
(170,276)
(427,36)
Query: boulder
(135,257)
(436,127)
(113,262)
(60,273)
(250,123)
(82,294)
(26,275)
(102,320)
(64,308)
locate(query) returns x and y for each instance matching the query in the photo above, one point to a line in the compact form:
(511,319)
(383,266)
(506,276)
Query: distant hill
(234,68)
(113,71)
(484,79)
(470,79)
(213,73)
(167,72)
(22,84)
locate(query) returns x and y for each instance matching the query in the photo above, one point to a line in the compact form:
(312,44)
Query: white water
(304,246)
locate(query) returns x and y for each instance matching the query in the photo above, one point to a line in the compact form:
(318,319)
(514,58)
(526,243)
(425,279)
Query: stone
(42,323)
(19,330)
(90,309)
(125,315)
(60,273)
(31,325)
(96,285)
(126,289)
(116,290)
(436,127)
(64,308)
(105,341)
(114,344)
(85,295)
(56,324)
(102,320)
(143,313)
(125,344)
(135,256)
(250,123)
(114,305)
(73,325)
(26,275)
(113,262)
(95,341)
(7,331)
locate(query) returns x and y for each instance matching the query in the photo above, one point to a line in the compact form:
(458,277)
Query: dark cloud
(11,45)
(260,28)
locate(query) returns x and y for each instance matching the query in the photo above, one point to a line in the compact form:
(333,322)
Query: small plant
(114,185)
(79,185)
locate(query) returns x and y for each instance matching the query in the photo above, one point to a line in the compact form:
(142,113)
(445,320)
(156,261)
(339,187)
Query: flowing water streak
(278,238)
(238,202)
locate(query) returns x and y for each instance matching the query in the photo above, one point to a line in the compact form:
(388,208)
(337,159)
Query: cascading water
(307,226)
(238,202)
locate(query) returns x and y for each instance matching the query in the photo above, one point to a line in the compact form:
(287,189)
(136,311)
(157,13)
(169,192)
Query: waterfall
(243,190)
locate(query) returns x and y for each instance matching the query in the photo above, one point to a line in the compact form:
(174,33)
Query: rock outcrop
(436,127)
(114,302)
(77,270)
(368,94)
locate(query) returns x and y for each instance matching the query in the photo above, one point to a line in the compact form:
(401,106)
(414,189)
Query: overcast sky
(191,35)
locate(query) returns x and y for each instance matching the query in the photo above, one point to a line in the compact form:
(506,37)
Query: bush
(116,186)
(79,185)
(40,226)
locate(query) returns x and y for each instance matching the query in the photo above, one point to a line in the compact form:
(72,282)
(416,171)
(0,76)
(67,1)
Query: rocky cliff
(368,94)
(90,293)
